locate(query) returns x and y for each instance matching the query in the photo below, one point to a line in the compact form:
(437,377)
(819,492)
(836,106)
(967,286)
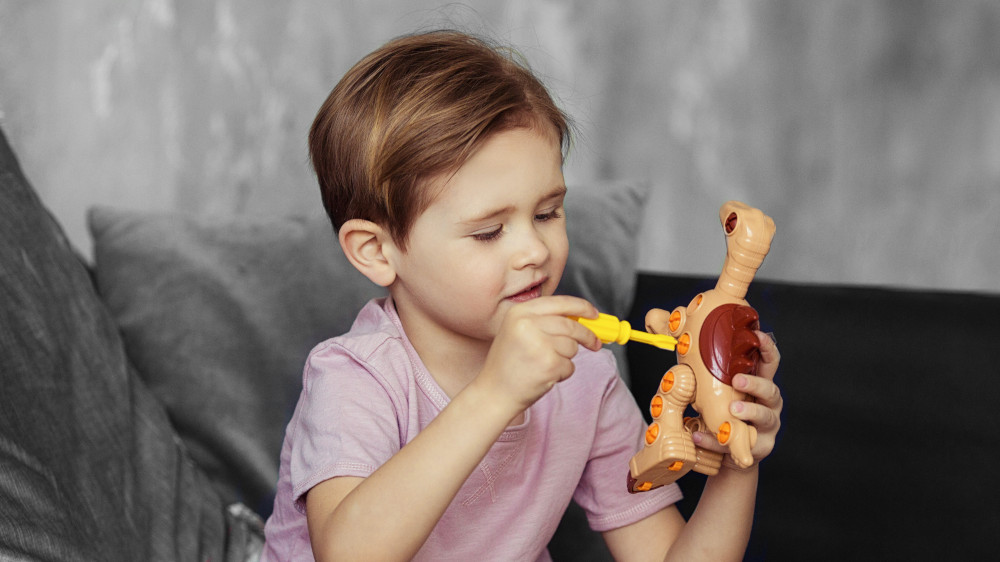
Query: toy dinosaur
(715,341)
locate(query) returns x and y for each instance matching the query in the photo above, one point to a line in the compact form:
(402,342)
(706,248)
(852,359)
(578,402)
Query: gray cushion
(603,222)
(218,317)
(90,468)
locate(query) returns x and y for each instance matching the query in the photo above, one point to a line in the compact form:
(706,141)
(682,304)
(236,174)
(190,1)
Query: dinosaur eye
(731,221)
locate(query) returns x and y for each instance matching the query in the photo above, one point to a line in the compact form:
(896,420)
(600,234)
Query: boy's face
(495,235)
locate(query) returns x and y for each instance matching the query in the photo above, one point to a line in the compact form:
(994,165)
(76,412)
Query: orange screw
(725,430)
(675,320)
(684,344)
(667,382)
(656,406)
(652,433)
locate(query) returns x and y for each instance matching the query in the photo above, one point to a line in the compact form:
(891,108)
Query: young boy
(461,414)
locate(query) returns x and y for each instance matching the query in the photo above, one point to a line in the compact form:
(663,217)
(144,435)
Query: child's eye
(489,236)
(553,214)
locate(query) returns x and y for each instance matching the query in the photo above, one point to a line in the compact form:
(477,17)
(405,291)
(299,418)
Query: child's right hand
(534,348)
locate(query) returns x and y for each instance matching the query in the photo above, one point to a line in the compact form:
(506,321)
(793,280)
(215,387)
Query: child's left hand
(762,409)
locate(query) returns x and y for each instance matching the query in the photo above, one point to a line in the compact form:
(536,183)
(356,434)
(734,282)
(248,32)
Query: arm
(406,496)
(719,528)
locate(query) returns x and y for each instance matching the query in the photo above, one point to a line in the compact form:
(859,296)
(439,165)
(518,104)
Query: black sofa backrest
(889,434)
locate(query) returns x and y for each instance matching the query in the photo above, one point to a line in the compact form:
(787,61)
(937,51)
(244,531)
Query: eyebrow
(559,191)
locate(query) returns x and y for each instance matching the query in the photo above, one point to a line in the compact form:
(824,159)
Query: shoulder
(373,329)
(355,390)
(372,352)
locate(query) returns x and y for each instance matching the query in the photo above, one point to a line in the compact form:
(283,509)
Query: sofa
(146,390)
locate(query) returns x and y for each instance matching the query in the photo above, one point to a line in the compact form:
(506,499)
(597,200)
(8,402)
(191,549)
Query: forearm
(390,514)
(719,528)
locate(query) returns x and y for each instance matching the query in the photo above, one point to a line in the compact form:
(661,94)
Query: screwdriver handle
(607,328)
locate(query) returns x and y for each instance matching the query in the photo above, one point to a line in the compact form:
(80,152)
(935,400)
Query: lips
(532,292)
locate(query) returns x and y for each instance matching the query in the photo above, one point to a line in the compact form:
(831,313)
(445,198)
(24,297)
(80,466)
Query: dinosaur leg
(669,452)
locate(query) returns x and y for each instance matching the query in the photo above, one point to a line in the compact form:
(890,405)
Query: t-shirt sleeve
(602,491)
(346,423)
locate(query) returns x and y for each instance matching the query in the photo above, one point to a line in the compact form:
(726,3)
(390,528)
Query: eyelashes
(496,233)
(489,236)
(553,214)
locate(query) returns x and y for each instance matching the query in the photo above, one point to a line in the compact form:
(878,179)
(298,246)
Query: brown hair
(414,109)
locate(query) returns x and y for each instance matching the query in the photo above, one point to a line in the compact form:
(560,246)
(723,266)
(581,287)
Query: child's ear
(366,245)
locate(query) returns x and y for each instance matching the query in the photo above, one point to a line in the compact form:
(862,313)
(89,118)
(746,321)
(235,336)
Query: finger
(559,366)
(769,356)
(763,390)
(561,305)
(563,326)
(708,442)
(565,346)
(758,415)
(584,336)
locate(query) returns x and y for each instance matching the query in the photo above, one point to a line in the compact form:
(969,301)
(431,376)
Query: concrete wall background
(869,129)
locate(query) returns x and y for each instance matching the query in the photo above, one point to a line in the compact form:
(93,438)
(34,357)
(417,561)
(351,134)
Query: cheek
(485,273)
(465,273)
(559,250)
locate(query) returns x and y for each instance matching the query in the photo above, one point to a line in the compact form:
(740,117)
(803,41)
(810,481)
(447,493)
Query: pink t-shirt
(366,394)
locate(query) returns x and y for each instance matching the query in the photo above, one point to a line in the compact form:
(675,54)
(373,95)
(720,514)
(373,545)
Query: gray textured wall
(869,129)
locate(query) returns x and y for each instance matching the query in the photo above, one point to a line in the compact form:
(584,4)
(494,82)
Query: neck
(452,371)
(453,359)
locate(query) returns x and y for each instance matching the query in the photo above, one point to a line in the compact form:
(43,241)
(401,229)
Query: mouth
(533,291)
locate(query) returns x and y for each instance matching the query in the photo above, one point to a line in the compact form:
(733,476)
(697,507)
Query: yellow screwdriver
(612,330)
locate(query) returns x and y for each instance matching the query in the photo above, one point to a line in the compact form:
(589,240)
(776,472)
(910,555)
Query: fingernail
(736,407)
(697,438)
(740,382)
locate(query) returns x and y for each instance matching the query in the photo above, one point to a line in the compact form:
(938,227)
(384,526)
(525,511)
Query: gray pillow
(90,468)
(218,317)
(603,223)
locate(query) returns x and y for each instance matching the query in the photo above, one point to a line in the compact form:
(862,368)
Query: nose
(531,250)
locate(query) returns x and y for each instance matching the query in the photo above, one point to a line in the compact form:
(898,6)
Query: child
(461,414)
